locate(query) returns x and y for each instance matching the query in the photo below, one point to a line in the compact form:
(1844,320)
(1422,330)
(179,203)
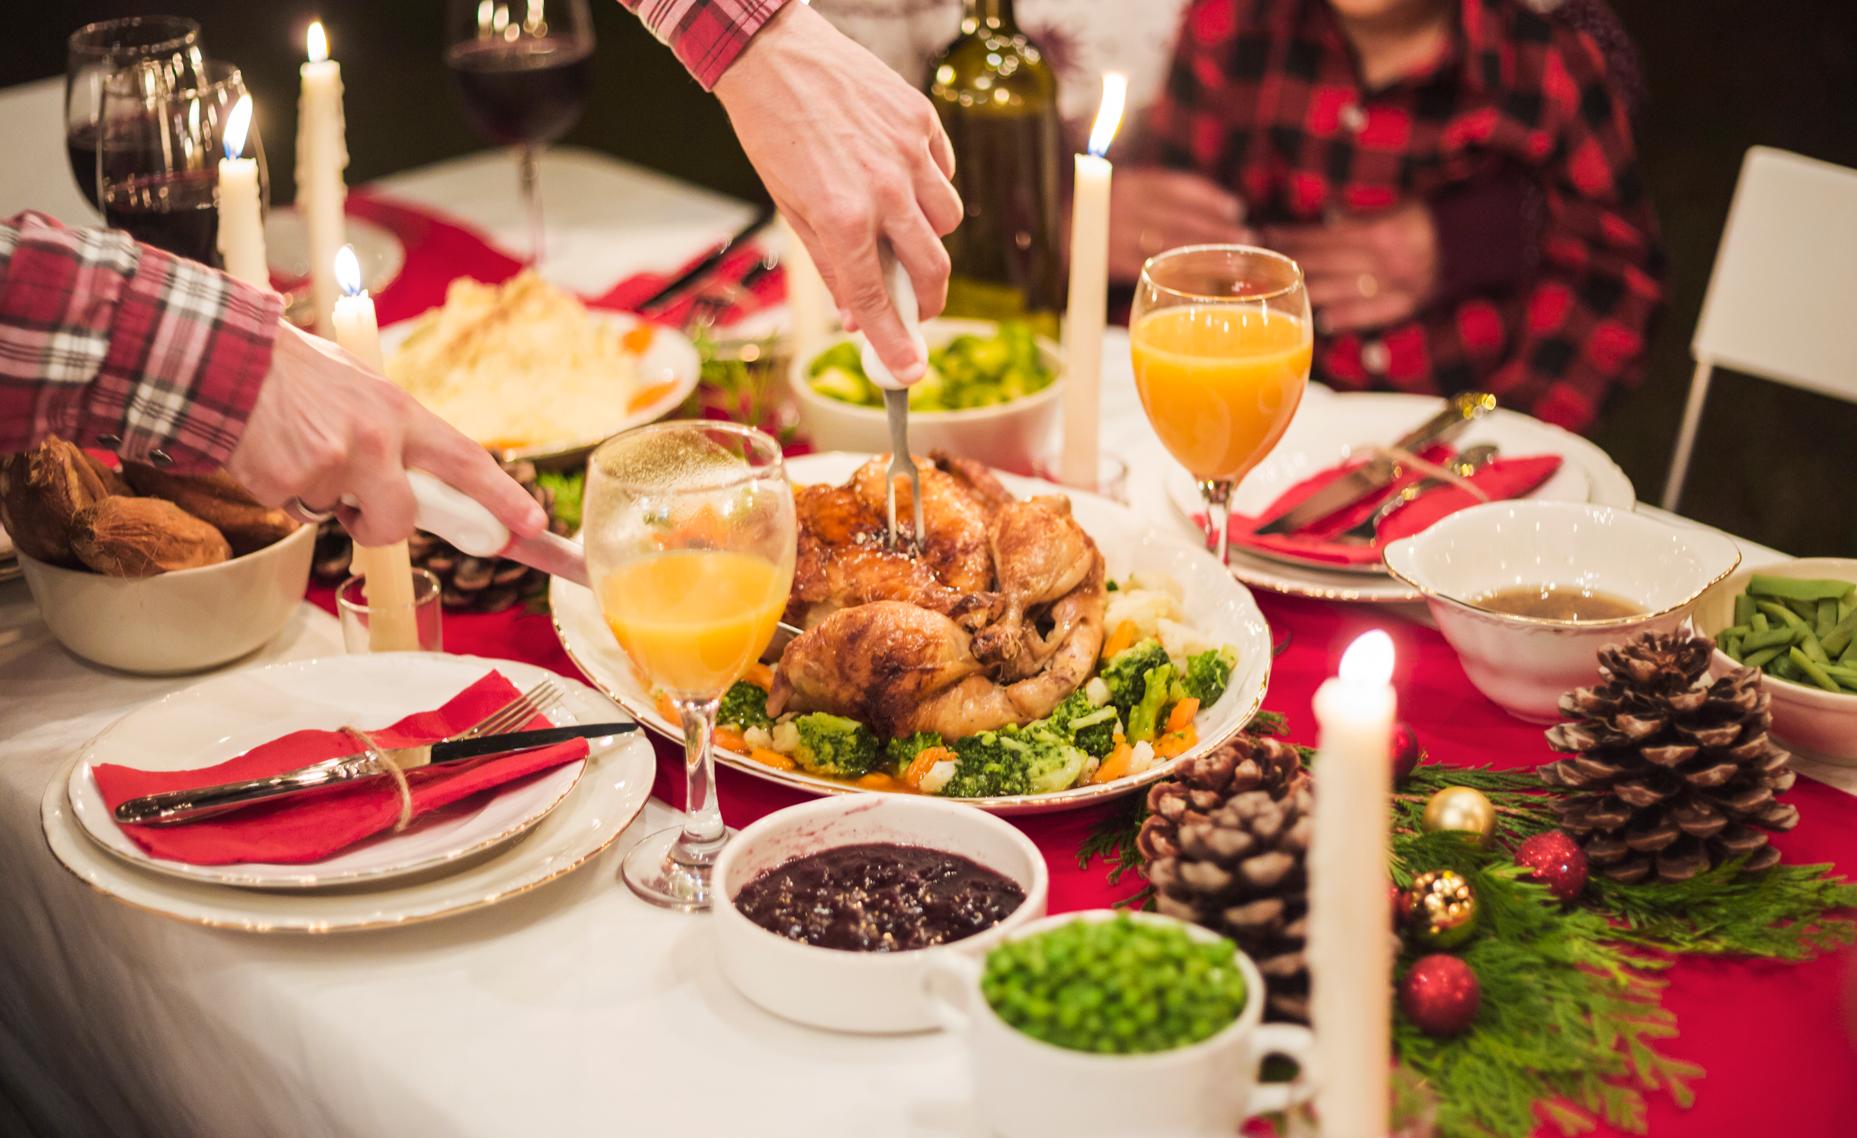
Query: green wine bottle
(998,102)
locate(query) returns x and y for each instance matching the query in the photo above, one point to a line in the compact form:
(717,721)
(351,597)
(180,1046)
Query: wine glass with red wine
(524,68)
(166,49)
(158,157)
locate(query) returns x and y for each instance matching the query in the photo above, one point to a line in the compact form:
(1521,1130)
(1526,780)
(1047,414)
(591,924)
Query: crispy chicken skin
(874,662)
(842,562)
(1039,553)
(955,546)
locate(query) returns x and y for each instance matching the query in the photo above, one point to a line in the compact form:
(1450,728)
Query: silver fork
(896,406)
(896,397)
(1464,465)
(512,715)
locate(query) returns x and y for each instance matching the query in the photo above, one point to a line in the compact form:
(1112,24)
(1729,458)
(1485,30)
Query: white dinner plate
(669,359)
(609,795)
(1217,605)
(1326,432)
(229,714)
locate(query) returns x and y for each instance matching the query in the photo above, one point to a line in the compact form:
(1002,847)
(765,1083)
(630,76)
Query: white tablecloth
(575,1009)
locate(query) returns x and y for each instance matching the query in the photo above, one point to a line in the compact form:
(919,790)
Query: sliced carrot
(1176,743)
(925,758)
(877,780)
(730,738)
(666,708)
(646,396)
(1121,639)
(760,675)
(1116,765)
(1181,717)
(638,337)
(773,759)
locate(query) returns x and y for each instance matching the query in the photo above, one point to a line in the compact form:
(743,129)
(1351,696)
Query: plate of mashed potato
(529,371)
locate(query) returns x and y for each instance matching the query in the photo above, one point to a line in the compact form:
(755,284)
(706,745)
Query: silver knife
(200,802)
(1460,411)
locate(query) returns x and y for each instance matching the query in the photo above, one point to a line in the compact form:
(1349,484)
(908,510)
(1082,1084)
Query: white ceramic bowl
(1525,663)
(1010,436)
(860,991)
(1819,723)
(174,622)
(1204,1090)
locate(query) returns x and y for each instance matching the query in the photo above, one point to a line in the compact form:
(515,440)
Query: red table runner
(1778,1041)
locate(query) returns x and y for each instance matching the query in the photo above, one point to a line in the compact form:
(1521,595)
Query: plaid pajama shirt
(707,35)
(126,348)
(1264,97)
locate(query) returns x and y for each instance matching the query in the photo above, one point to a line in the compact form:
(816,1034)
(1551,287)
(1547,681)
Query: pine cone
(1225,844)
(479,584)
(1671,773)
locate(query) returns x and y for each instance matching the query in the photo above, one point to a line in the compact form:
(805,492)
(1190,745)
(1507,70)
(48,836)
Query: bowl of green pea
(1106,1023)
(1797,622)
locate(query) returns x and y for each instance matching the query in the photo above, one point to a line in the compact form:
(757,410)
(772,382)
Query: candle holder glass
(158,155)
(428,613)
(1221,340)
(523,74)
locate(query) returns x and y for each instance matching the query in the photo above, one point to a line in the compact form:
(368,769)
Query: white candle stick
(386,569)
(241,208)
(1089,293)
(811,314)
(322,156)
(1350,915)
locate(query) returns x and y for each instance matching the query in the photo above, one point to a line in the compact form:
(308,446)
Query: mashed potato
(522,364)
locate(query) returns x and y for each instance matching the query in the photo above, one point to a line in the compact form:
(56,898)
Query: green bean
(1808,643)
(1827,618)
(1841,634)
(1839,672)
(1734,630)
(1799,588)
(1811,669)
(1778,636)
(1759,659)
(1847,606)
(1806,610)
(1730,645)
(1849,658)
(1781,613)
(1758,622)
(1784,668)
(1743,609)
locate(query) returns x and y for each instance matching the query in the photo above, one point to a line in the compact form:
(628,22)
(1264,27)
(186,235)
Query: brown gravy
(1558,602)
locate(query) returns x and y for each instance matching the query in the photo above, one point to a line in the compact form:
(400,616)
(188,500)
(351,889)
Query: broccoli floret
(1145,717)
(1126,673)
(1207,674)
(835,746)
(1052,765)
(990,763)
(1095,732)
(899,753)
(744,706)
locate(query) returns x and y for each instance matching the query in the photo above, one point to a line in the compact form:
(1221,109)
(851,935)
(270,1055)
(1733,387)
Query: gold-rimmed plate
(607,797)
(1216,605)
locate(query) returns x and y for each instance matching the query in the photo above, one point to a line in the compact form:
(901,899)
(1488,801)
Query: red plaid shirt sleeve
(707,35)
(124,347)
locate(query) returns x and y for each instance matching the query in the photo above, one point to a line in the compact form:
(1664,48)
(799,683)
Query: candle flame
(1109,114)
(238,125)
(348,273)
(1369,660)
(318,43)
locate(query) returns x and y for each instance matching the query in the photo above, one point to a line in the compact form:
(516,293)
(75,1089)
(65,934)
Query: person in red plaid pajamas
(1456,177)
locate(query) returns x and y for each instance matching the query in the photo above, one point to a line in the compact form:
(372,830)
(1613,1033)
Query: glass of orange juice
(690,537)
(1221,339)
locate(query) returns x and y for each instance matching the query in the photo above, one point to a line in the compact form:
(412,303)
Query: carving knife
(1459,412)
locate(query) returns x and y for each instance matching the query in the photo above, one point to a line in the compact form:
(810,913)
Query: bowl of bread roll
(148,571)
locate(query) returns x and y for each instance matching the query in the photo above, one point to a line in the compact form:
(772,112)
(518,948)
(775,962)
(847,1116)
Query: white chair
(1782,298)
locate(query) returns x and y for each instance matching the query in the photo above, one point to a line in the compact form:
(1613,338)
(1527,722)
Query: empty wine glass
(524,68)
(158,157)
(167,48)
(690,533)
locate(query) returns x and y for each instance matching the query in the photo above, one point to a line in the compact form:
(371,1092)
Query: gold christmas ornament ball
(1462,808)
(1442,909)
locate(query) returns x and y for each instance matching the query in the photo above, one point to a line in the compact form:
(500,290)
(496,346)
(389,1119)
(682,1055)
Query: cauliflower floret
(786,736)
(1096,691)
(1141,758)
(1182,641)
(1144,608)
(759,737)
(937,777)
(1157,582)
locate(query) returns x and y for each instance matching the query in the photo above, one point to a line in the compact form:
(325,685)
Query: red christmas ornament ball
(1557,860)
(1407,753)
(1440,993)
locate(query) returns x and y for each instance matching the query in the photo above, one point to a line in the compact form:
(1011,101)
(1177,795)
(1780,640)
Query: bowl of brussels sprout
(991,394)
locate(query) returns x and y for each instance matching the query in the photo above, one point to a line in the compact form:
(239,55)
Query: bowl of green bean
(1797,622)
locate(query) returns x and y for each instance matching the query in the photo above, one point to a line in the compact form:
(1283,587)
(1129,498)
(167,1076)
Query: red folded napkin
(1503,478)
(629,293)
(312,827)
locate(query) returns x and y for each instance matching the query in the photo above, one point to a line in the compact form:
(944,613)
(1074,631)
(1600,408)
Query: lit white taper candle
(1089,292)
(241,206)
(387,569)
(322,157)
(1350,915)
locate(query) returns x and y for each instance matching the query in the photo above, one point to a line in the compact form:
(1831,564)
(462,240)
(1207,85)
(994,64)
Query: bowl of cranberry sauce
(829,911)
